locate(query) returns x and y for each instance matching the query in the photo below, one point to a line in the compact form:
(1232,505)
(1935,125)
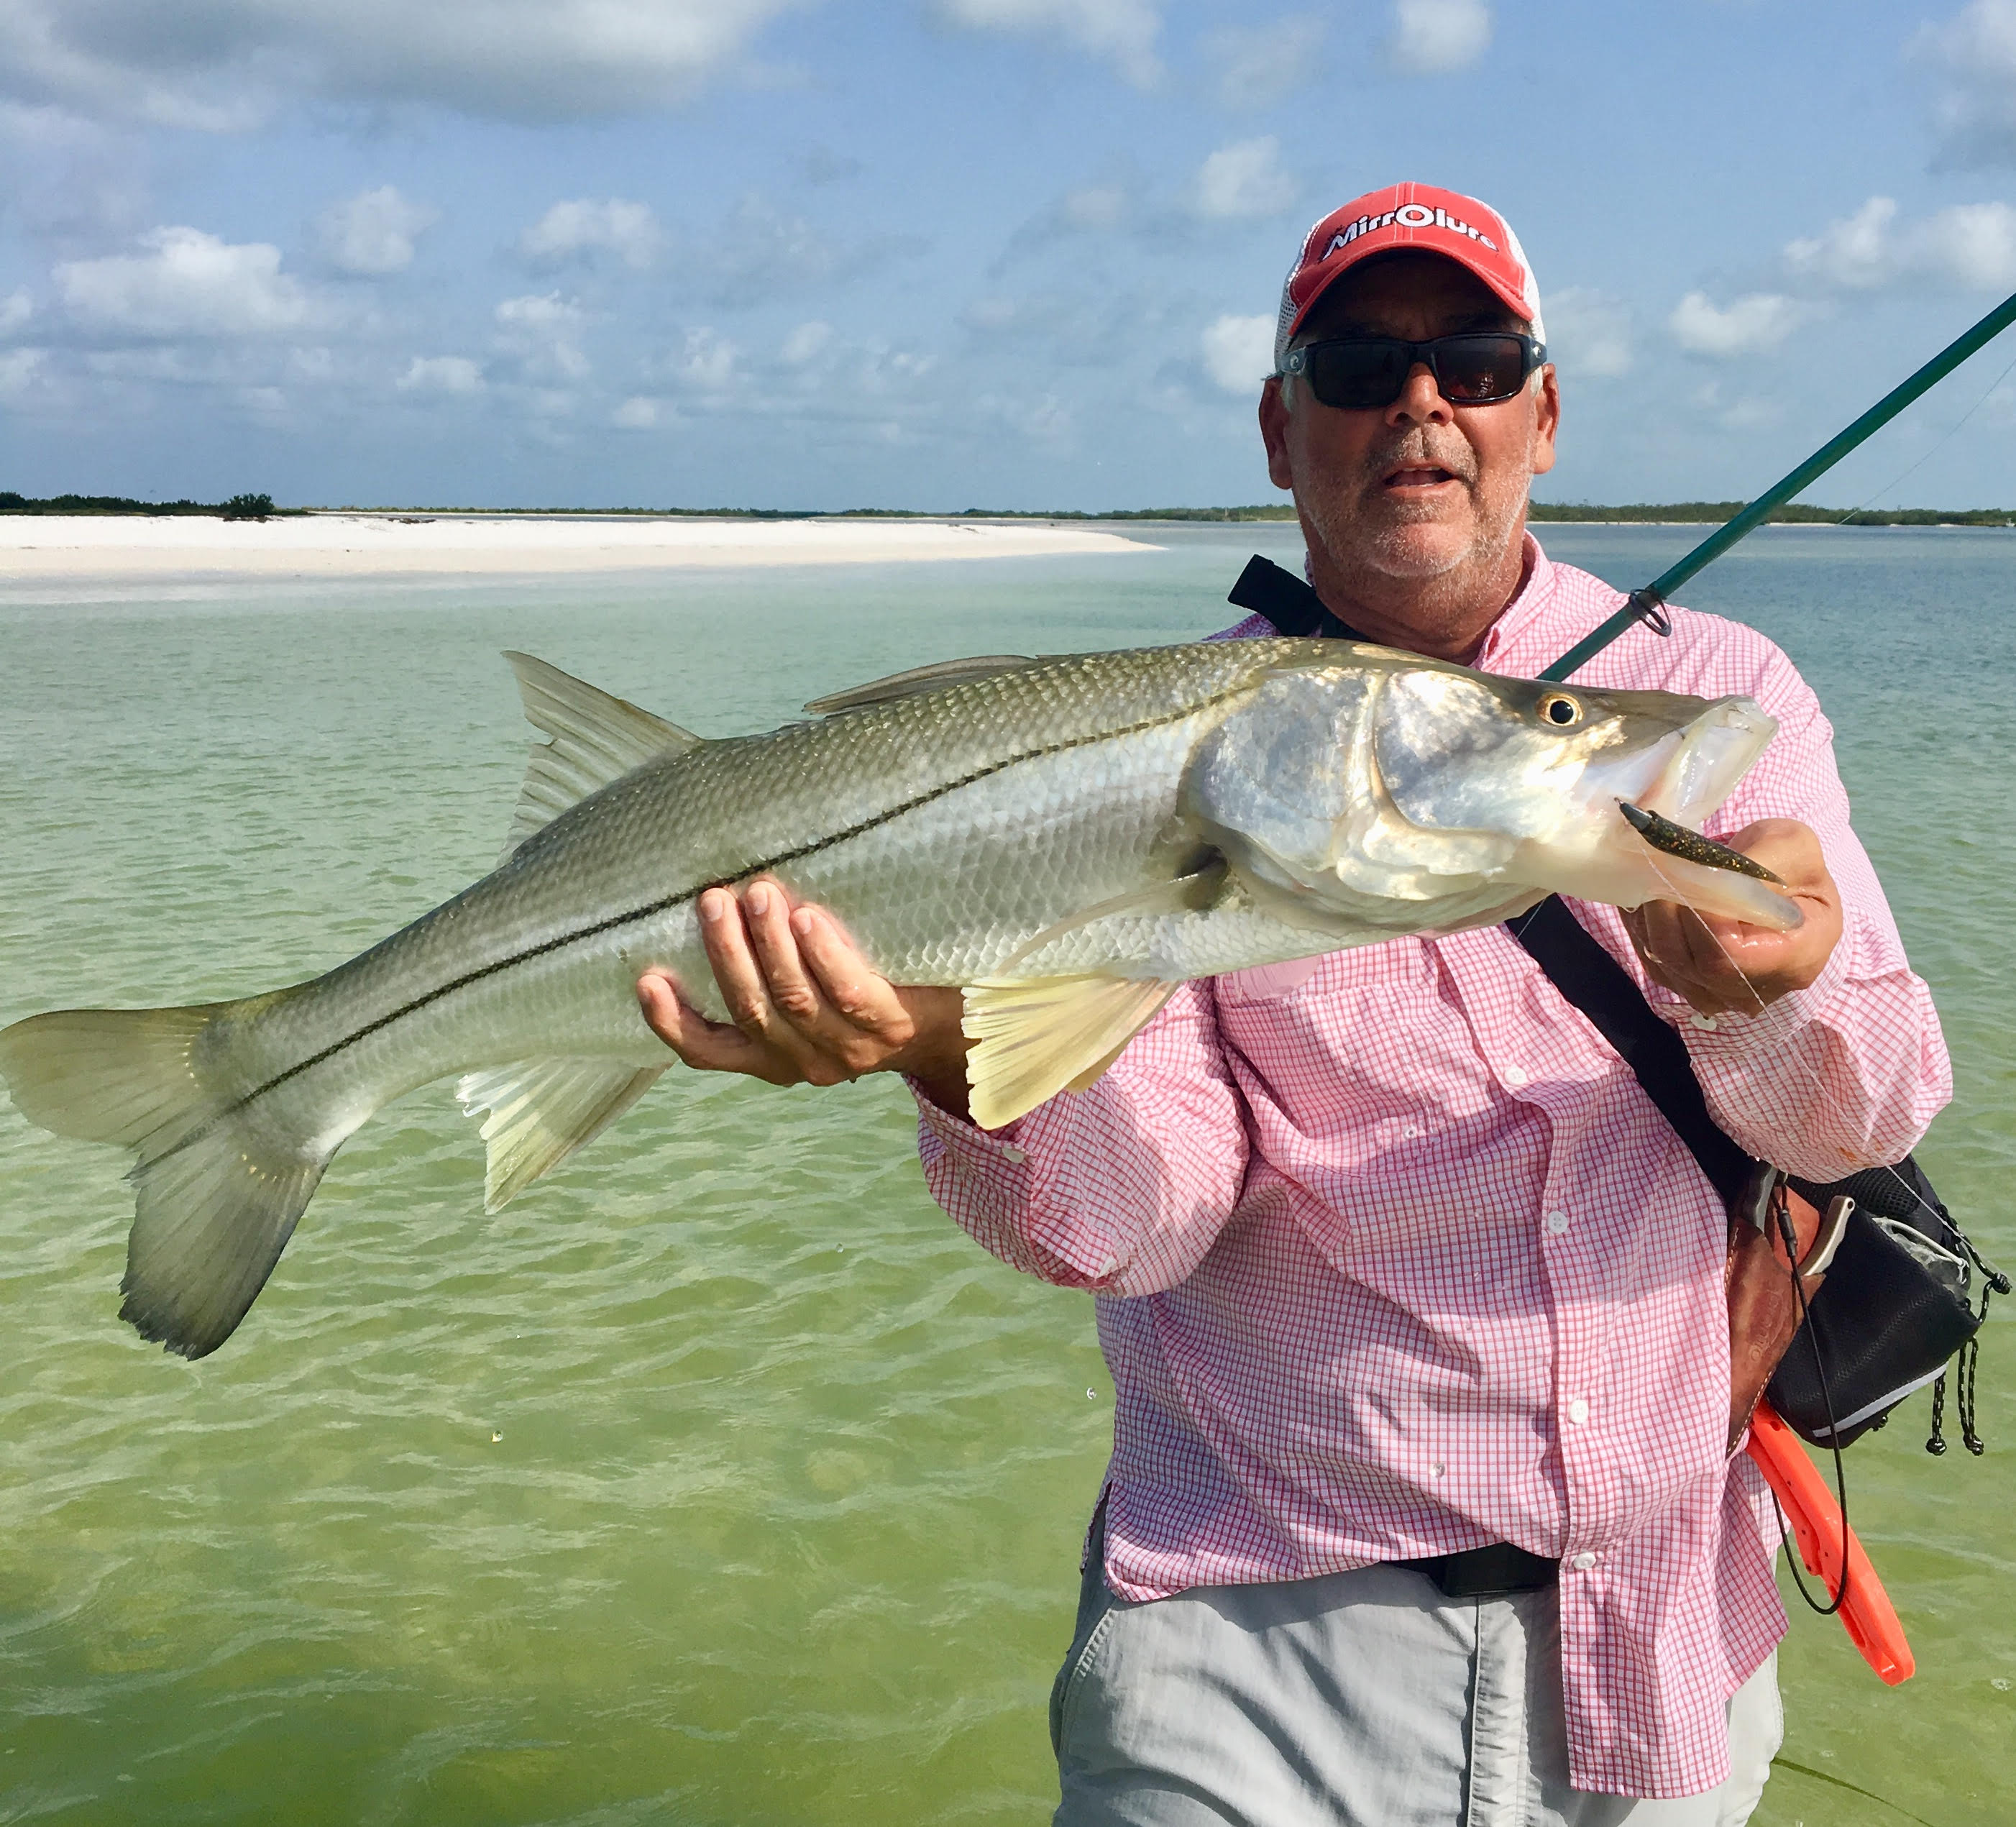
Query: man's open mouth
(1417,475)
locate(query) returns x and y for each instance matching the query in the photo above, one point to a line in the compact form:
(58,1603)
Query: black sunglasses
(1478,368)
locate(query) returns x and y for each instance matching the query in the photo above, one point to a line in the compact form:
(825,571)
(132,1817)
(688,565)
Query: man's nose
(1420,400)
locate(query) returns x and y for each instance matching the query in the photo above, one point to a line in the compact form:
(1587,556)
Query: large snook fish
(1066,839)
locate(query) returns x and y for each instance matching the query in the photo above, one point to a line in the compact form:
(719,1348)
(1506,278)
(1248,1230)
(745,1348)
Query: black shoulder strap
(1589,977)
(1285,599)
(1573,959)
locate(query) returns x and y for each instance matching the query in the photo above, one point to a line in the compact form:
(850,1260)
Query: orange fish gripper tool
(1828,1546)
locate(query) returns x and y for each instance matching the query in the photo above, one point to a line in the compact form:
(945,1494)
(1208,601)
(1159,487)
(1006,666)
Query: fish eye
(1561,710)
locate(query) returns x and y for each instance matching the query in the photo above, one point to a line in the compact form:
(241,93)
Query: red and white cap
(1415,216)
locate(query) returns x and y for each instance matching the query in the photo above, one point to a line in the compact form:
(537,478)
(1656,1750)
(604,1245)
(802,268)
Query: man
(1420,1507)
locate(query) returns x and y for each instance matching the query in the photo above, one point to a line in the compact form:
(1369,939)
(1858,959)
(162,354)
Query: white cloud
(223,65)
(372,232)
(16,309)
(188,283)
(1589,333)
(1257,65)
(708,360)
(806,343)
(1239,352)
(1748,326)
(1968,244)
(1124,30)
(1244,179)
(1973,57)
(570,230)
(1432,36)
(440,374)
(540,329)
(542,313)
(637,414)
(1094,208)
(19,369)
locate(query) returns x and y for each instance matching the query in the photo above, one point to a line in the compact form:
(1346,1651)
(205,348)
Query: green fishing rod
(1648,605)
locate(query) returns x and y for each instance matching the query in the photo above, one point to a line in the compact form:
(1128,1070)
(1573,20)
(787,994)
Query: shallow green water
(720,1480)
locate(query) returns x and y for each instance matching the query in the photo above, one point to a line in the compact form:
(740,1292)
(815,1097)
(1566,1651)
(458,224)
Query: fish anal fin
(919,678)
(540,1111)
(593,739)
(1036,1036)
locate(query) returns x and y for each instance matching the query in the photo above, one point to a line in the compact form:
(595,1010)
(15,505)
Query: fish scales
(1066,839)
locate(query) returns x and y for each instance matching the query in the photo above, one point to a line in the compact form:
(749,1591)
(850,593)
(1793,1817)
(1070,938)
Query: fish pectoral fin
(1197,891)
(540,1111)
(1036,1036)
(919,678)
(593,739)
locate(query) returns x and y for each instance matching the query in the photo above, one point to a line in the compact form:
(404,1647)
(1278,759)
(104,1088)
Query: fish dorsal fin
(540,1111)
(1037,1036)
(594,739)
(931,678)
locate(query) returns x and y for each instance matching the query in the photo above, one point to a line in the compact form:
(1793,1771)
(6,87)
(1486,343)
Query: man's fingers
(722,933)
(857,994)
(707,1046)
(792,992)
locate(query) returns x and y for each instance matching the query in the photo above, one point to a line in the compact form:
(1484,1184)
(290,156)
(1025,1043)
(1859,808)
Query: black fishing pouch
(1895,1309)
(1889,1305)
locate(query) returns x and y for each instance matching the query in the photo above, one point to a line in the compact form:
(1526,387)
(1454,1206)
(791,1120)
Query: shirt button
(1557,1223)
(1436,1469)
(1583,1561)
(1515,1076)
(1707,1021)
(1010,1152)
(1578,1412)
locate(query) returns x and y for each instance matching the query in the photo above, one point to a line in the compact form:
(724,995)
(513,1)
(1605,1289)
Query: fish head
(1349,791)
(1547,766)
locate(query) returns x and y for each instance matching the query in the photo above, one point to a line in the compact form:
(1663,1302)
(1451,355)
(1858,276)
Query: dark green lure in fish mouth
(1676,840)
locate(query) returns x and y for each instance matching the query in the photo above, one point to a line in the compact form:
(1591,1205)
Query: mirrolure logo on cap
(1418,216)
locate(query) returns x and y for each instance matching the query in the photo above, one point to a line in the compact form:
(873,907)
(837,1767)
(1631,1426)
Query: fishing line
(1945,439)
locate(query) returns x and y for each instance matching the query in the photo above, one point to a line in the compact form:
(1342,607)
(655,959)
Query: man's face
(1419,489)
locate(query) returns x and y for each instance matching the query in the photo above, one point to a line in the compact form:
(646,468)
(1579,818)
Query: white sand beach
(356,544)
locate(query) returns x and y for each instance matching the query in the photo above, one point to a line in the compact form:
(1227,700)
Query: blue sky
(947,253)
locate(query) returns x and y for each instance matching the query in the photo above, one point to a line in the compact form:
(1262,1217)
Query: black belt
(1488,1572)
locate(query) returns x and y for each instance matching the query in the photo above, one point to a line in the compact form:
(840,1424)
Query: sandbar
(355,545)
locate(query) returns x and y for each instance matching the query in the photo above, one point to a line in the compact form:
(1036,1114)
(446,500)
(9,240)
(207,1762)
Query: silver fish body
(1066,839)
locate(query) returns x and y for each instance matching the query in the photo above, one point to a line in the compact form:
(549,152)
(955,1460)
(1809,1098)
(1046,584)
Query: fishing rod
(1648,605)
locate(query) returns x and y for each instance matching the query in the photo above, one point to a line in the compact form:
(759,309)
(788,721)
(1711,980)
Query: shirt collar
(1535,597)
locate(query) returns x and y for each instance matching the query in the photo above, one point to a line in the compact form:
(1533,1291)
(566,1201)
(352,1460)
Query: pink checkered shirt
(1393,1258)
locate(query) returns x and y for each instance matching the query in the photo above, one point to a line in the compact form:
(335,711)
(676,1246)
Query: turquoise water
(720,1480)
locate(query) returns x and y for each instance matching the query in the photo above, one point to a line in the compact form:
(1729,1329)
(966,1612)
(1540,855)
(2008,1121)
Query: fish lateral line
(664,905)
(1676,840)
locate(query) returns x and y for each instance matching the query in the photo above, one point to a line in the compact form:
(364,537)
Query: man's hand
(806,1008)
(1725,966)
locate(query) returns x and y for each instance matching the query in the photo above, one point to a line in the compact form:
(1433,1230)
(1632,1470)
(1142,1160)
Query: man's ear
(1274,433)
(1546,421)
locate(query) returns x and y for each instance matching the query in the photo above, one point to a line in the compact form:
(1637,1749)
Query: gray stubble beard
(1444,596)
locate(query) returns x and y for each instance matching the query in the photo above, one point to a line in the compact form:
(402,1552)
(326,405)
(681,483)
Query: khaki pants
(1357,1699)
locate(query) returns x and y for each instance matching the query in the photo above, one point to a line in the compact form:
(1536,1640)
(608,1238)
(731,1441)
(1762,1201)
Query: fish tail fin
(217,1193)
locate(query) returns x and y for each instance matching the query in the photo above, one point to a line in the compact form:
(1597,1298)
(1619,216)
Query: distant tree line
(240,507)
(1714,512)
(243,507)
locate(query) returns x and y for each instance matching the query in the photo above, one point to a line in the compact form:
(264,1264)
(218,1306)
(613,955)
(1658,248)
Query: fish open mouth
(1707,758)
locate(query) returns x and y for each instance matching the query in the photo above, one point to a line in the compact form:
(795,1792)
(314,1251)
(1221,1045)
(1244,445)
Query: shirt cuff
(1738,1039)
(962,1136)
